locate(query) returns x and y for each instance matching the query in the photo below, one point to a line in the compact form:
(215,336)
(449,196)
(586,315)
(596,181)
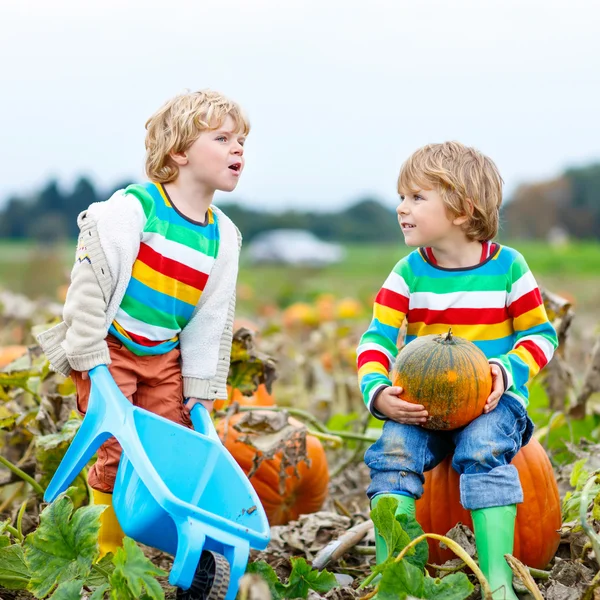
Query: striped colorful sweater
(496,304)
(170,272)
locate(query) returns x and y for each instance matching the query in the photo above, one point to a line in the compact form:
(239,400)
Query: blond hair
(467,180)
(176,125)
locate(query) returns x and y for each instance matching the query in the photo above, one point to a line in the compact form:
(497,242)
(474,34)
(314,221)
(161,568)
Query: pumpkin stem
(448,337)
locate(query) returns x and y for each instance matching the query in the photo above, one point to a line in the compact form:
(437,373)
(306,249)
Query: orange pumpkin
(299,315)
(10,353)
(303,494)
(448,375)
(261,397)
(538,517)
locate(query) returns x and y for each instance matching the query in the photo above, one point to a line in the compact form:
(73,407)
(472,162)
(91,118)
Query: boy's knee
(396,482)
(399,447)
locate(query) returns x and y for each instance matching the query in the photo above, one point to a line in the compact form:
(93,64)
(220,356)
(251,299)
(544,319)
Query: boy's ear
(179,158)
(464,218)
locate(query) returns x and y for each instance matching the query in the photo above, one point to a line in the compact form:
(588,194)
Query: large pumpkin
(538,516)
(448,375)
(303,495)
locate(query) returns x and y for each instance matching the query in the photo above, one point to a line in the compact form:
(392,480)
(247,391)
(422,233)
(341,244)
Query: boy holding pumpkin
(152,292)
(450,197)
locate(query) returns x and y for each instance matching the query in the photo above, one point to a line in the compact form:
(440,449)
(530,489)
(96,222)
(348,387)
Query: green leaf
(452,587)
(579,475)
(134,573)
(303,578)
(68,590)
(50,450)
(66,387)
(383,516)
(248,368)
(64,545)
(17,379)
(99,592)
(14,574)
(97,575)
(7,418)
(399,580)
(265,570)
(343,421)
(596,508)
(414,530)
(4,538)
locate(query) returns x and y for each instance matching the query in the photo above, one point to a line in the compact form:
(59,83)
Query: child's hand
(497,389)
(389,403)
(208,404)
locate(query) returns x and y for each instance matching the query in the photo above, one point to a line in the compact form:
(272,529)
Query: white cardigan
(108,245)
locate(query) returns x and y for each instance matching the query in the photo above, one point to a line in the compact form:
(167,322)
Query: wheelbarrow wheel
(211,579)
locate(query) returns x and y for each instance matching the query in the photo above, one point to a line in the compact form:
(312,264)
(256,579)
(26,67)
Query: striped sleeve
(535,337)
(377,349)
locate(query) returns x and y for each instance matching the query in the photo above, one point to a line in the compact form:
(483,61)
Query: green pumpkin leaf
(399,580)
(100,592)
(266,571)
(64,545)
(384,519)
(50,450)
(452,587)
(134,573)
(304,578)
(68,590)
(414,530)
(14,574)
(97,577)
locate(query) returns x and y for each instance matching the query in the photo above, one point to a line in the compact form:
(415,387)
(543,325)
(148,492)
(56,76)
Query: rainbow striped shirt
(496,304)
(170,272)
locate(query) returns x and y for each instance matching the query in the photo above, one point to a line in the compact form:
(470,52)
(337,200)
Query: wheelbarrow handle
(202,422)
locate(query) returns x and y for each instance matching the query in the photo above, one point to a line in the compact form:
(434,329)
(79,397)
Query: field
(307,323)
(573,269)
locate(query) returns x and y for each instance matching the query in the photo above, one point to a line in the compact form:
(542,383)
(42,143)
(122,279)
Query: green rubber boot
(494,537)
(406,506)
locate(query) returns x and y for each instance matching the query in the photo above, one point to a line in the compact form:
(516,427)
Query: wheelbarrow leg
(237,556)
(98,425)
(84,445)
(190,542)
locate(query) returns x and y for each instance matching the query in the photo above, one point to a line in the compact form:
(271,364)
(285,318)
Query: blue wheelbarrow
(177,489)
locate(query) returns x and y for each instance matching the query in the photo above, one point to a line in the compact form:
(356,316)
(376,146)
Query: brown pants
(151,382)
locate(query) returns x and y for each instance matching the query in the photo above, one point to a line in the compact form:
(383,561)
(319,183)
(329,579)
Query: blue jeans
(483,450)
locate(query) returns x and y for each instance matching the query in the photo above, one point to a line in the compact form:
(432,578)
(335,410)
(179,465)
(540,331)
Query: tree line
(569,203)
(51,215)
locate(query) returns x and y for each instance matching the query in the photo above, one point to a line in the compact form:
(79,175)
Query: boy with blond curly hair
(450,197)
(152,291)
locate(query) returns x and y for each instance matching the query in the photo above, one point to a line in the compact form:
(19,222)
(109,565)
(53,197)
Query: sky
(339,93)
